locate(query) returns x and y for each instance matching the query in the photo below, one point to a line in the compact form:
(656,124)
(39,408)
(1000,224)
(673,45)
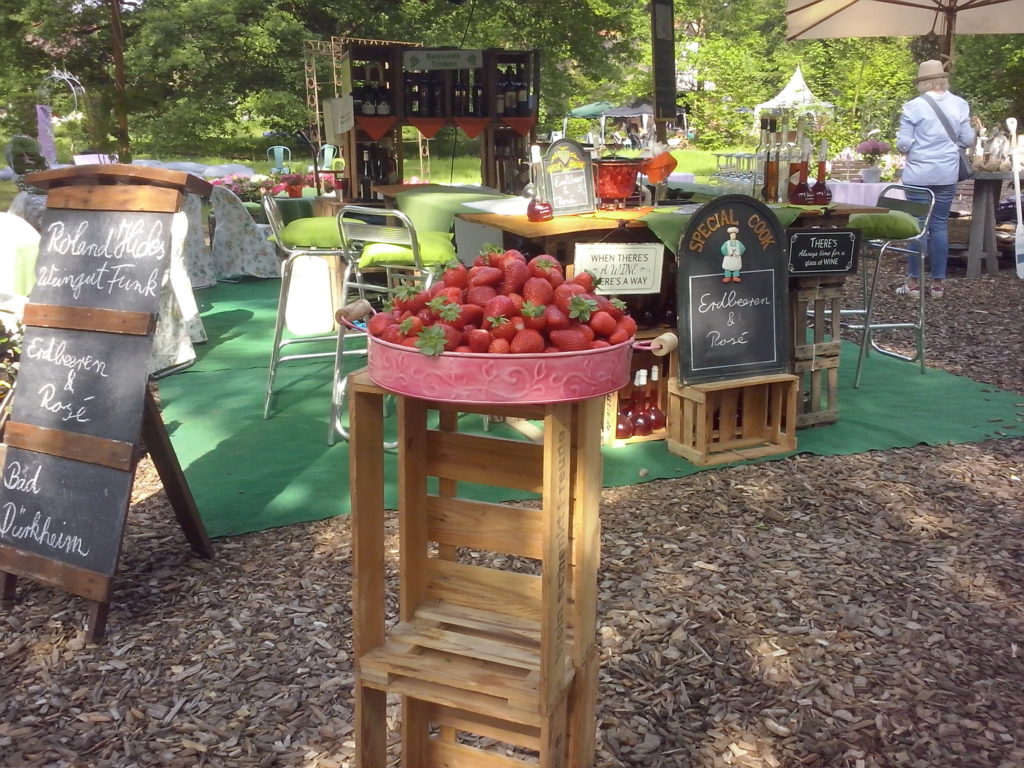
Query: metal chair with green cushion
(898,231)
(312,281)
(383,253)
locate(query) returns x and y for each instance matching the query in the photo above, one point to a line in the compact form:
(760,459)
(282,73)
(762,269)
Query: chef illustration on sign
(732,256)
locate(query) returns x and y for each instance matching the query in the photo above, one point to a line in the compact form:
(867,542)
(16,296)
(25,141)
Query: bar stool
(918,202)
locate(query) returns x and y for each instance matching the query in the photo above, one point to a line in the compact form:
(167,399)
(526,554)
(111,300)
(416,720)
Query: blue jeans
(936,241)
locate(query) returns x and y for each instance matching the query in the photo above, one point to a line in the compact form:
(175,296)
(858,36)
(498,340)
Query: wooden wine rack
(484,648)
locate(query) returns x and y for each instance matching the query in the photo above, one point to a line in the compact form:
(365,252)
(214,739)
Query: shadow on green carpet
(249,474)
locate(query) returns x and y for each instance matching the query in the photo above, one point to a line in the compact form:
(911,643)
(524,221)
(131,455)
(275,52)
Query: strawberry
(376,324)
(480,294)
(445,311)
(618,336)
(479,340)
(516,273)
(628,324)
(599,344)
(469,314)
(432,340)
(533,316)
(411,326)
(555,319)
(563,295)
(614,307)
(512,253)
(570,339)
(538,290)
(527,341)
(393,334)
(501,327)
(586,279)
(486,276)
(411,341)
(500,305)
(582,307)
(426,315)
(463,349)
(452,336)
(603,324)
(551,348)
(456,275)
(499,347)
(409,298)
(517,302)
(543,265)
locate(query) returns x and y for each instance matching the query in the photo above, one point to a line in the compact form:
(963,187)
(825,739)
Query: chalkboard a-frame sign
(82,408)
(732,292)
(568,177)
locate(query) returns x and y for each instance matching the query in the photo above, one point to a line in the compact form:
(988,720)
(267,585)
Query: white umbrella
(816,19)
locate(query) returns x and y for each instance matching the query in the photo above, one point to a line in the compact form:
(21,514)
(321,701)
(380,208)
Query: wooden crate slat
(482,725)
(134,175)
(480,525)
(484,460)
(499,651)
(71,445)
(477,620)
(443,754)
(90,319)
(115,197)
(518,594)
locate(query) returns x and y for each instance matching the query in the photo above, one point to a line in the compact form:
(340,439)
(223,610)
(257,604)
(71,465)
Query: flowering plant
(872,149)
(248,188)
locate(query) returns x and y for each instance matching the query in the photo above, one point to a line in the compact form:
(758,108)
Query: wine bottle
(820,193)
(795,155)
(623,424)
(458,95)
(641,422)
(365,175)
(760,154)
(384,99)
(770,192)
(436,95)
(801,194)
(370,99)
(479,101)
(511,92)
(522,94)
(655,415)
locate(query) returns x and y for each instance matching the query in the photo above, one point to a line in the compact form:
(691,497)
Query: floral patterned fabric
(240,245)
(198,257)
(179,326)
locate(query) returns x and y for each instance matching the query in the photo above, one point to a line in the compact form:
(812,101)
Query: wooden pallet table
(735,419)
(484,648)
(814,301)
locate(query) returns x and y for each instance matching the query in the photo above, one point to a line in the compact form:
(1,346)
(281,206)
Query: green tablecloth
(668,226)
(433,207)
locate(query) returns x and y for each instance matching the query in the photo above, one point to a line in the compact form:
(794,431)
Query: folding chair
(280,158)
(918,202)
(382,254)
(311,293)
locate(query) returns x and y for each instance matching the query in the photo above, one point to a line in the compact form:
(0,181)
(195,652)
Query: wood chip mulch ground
(856,611)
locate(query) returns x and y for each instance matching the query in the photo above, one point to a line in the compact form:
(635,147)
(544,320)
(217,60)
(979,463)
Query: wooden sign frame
(567,174)
(732,292)
(52,433)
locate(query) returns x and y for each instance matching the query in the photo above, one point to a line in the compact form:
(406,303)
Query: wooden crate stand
(668,365)
(476,646)
(816,301)
(731,420)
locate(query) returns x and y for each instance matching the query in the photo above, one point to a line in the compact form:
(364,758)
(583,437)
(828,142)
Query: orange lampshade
(658,168)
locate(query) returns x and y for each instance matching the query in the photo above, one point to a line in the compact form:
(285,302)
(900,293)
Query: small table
(856,192)
(981,245)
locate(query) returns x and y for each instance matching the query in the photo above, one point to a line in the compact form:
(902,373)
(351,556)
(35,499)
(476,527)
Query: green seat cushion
(312,232)
(894,225)
(435,248)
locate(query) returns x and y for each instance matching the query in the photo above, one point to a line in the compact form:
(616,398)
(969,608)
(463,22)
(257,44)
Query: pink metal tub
(485,379)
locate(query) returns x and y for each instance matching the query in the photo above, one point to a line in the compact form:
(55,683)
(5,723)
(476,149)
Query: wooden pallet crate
(668,367)
(731,420)
(501,640)
(813,302)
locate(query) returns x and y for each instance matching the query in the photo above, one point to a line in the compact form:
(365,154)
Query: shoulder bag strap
(942,118)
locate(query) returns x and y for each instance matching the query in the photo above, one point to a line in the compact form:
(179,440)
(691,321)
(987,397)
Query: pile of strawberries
(504,304)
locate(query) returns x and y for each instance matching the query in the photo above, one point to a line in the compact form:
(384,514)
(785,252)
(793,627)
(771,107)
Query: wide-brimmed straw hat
(929,70)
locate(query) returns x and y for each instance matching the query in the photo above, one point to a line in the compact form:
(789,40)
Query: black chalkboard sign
(732,290)
(80,381)
(106,259)
(568,177)
(64,510)
(822,251)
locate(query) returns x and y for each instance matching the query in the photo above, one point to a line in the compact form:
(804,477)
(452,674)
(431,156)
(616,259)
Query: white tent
(796,97)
